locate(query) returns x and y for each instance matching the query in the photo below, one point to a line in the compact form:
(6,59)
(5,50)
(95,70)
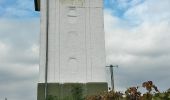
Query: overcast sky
(137,39)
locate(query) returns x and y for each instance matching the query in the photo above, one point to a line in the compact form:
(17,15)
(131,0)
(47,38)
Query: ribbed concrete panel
(51,41)
(42,42)
(97,45)
(76,50)
(96,3)
(72,44)
(57,42)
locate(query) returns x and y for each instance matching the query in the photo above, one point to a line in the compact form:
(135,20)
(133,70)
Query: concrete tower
(72,47)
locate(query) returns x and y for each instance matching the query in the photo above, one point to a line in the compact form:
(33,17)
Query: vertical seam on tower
(104,37)
(54,42)
(59,38)
(86,36)
(90,38)
(46,64)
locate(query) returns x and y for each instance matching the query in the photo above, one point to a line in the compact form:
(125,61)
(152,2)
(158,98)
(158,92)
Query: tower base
(70,91)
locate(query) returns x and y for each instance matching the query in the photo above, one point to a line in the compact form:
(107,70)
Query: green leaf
(169,96)
(162,95)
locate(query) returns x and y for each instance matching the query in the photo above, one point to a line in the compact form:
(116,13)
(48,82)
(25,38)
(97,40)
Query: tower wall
(76,47)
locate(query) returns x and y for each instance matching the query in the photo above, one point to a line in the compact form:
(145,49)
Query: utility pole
(112,75)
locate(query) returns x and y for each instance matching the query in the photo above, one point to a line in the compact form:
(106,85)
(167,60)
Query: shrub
(77,92)
(111,95)
(131,93)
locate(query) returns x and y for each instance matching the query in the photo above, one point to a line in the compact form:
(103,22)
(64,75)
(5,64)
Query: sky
(136,37)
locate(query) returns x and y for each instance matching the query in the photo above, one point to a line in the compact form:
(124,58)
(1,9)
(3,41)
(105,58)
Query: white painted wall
(76,41)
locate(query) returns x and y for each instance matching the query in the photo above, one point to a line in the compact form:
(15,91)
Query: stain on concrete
(73,2)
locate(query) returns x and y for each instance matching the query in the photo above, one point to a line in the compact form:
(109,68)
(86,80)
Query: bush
(132,93)
(106,96)
(77,92)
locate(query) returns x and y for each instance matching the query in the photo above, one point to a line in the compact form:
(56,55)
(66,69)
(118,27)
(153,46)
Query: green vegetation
(77,92)
(132,93)
(70,91)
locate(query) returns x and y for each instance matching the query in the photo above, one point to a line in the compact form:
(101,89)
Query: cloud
(19,54)
(17,36)
(139,42)
(119,7)
(19,50)
(3,49)
(17,9)
(137,38)
(149,11)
